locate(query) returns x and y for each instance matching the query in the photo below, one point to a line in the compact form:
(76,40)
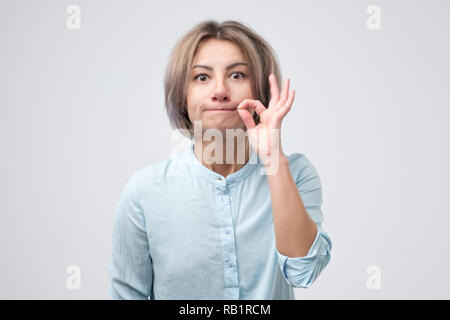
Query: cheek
(191,101)
(195,96)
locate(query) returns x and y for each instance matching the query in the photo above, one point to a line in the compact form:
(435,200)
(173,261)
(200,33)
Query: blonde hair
(260,56)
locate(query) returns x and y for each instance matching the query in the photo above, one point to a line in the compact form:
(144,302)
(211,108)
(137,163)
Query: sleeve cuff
(300,272)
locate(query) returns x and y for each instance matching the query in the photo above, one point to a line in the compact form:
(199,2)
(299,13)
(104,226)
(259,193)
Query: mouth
(222,109)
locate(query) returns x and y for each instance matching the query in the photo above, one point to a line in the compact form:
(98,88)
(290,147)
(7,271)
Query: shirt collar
(216,178)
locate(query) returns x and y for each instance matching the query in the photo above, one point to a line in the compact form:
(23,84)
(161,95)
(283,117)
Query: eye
(239,73)
(200,75)
(242,75)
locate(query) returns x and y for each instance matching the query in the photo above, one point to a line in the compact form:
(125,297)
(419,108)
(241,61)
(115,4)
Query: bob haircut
(260,57)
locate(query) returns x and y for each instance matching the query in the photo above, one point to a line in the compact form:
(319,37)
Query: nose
(220,92)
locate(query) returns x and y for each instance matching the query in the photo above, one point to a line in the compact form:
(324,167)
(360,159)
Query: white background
(81,110)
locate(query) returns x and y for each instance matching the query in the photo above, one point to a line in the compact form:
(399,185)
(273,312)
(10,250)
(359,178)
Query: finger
(284,93)
(254,104)
(274,91)
(285,109)
(246,118)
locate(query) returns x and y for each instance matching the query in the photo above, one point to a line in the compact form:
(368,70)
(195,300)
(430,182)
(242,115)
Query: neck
(215,156)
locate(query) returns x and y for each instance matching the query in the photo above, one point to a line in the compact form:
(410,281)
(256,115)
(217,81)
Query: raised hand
(265,138)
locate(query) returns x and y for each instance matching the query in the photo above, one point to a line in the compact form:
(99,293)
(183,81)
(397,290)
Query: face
(217,85)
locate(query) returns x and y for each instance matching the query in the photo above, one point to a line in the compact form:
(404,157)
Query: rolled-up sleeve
(301,272)
(130,266)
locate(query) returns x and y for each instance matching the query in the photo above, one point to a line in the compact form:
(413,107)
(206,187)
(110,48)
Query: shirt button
(227,232)
(230,265)
(231,199)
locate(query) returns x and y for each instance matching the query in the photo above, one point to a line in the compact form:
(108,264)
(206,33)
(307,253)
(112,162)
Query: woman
(222,220)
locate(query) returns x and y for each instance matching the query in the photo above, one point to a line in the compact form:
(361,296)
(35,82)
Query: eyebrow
(227,68)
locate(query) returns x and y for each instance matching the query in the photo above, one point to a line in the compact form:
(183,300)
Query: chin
(223,128)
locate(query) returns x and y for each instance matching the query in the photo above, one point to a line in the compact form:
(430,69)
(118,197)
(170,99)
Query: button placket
(228,241)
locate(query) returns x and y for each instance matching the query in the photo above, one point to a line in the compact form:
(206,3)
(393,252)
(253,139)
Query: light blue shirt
(183,231)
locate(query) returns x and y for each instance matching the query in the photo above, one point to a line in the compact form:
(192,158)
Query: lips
(221,109)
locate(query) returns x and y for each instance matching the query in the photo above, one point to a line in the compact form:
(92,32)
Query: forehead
(218,52)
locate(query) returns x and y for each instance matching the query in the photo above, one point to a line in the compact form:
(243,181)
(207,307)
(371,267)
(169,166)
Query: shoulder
(308,184)
(301,167)
(152,170)
(172,165)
